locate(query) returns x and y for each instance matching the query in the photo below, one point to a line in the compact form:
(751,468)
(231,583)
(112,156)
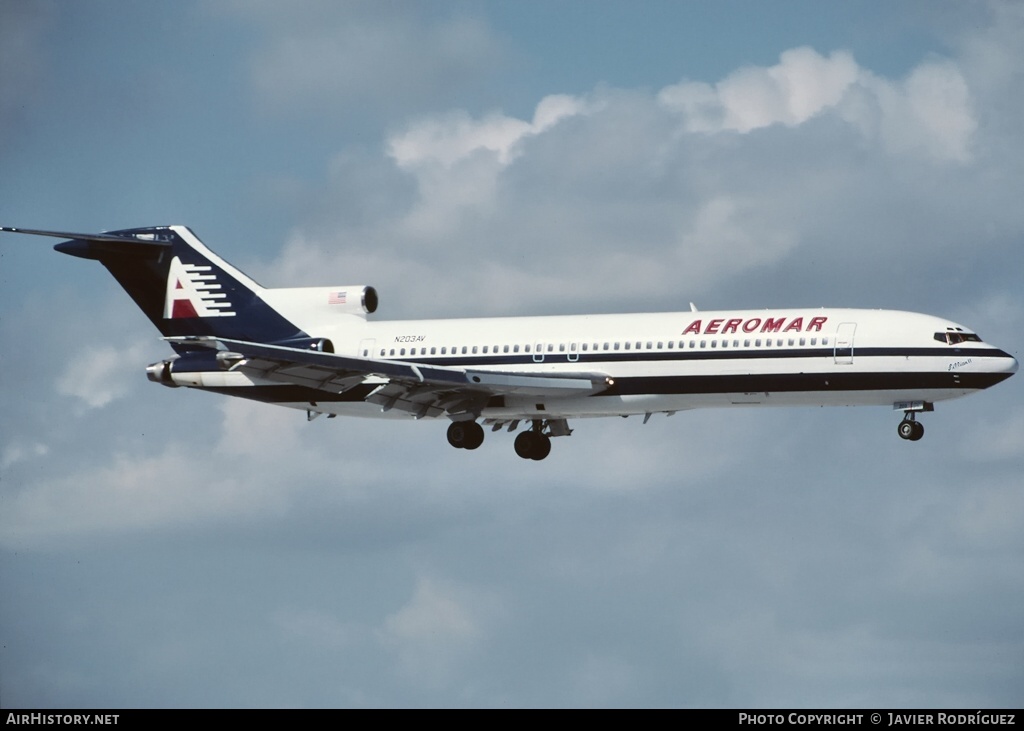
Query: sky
(168,548)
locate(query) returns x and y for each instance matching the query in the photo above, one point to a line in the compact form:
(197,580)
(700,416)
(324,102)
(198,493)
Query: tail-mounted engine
(197,368)
(322,305)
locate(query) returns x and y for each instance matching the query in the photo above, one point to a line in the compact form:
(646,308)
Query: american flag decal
(336,298)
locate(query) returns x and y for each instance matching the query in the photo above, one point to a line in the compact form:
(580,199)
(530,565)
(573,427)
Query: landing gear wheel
(533,445)
(541,447)
(910,429)
(524,444)
(465,434)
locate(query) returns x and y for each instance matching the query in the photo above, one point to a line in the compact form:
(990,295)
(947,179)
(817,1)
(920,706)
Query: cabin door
(844,343)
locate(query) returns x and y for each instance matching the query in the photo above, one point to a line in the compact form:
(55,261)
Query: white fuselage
(668,362)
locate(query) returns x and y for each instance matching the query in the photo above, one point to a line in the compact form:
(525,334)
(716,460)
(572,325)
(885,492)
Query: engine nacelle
(356,299)
(198,369)
(161,373)
(321,305)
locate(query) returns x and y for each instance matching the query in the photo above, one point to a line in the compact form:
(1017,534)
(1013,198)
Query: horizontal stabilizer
(99,238)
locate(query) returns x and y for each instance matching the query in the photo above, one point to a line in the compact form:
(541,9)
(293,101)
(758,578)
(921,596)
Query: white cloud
(178,486)
(102,373)
(669,195)
(457,160)
(449,139)
(930,113)
(316,628)
(727,237)
(434,632)
(800,86)
(20,452)
(132,493)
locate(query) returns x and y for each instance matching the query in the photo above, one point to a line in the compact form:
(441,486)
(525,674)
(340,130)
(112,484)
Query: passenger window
(515,348)
(627,346)
(703,343)
(659,345)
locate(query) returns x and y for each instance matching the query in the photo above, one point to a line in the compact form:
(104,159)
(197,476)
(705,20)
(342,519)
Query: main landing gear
(532,444)
(910,428)
(465,434)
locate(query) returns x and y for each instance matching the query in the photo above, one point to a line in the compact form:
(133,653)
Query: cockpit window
(953,338)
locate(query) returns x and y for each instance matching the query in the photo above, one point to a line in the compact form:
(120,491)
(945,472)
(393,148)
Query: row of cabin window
(585,347)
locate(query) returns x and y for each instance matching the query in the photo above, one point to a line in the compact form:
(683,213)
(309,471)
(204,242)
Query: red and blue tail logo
(193,291)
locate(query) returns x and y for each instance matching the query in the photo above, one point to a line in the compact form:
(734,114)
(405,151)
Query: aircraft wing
(419,389)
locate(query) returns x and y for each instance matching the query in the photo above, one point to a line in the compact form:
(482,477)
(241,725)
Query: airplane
(315,349)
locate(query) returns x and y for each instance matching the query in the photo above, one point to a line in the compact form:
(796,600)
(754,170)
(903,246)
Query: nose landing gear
(910,428)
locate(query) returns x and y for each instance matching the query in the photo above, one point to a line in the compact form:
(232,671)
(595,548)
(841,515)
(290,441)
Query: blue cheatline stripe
(687,385)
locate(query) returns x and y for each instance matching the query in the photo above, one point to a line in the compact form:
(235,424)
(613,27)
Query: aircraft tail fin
(183,288)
